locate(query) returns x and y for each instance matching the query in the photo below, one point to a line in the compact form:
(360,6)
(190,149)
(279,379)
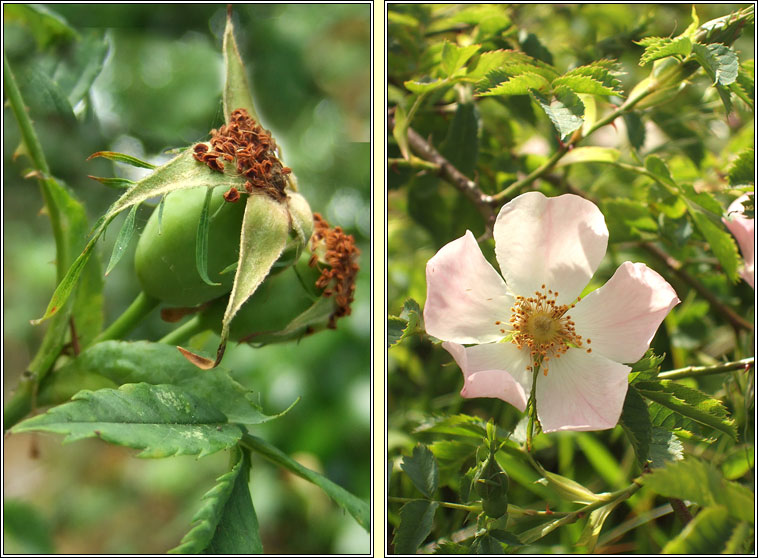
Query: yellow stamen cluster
(544,327)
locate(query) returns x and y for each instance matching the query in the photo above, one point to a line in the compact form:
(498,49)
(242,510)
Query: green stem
(412,163)
(624,107)
(20,403)
(543,530)
(563,149)
(33,146)
(24,123)
(531,408)
(183,332)
(133,315)
(696,371)
(531,177)
(472,508)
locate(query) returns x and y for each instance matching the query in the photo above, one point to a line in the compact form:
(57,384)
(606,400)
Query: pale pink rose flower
(547,250)
(743,230)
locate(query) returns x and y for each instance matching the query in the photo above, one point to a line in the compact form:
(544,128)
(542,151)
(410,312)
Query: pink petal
(581,392)
(558,242)
(621,317)
(465,296)
(494,370)
(743,230)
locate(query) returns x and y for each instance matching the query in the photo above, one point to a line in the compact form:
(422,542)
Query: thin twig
(676,267)
(693,371)
(450,173)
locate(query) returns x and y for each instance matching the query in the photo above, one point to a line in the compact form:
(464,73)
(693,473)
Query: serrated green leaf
(665,446)
(491,19)
(353,505)
(395,329)
(457,425)
(461,144)
(416,519)
(583,84)
(700,482)
(704,200)
(122,158)
(635,129)
(123,239)
(725,96)
(660,170)
(744,85)
(707,533)
(719,62)
(727,28)
(662,47)
(122,362)
(486,545)
(742,170)
(421,468)
(485,63)
(405,325)
(565,110)
(455,57)
(161,420)
(534,47)
(237,92)
(201,243)
(635,421)
(505,537)
(452,454)
(589,154)
(689,403)
(226,523)
(44,96)
(412,312)
(518,85)
(721,242)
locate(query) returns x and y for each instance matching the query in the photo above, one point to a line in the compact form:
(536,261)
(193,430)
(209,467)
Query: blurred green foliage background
(159,87)
(510,138)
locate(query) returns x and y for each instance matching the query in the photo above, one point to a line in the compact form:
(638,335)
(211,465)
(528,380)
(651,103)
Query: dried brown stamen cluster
(253,149)
(341,254)
(543,326)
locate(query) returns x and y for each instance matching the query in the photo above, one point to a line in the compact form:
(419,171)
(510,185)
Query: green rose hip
(491,484)
(165,257)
